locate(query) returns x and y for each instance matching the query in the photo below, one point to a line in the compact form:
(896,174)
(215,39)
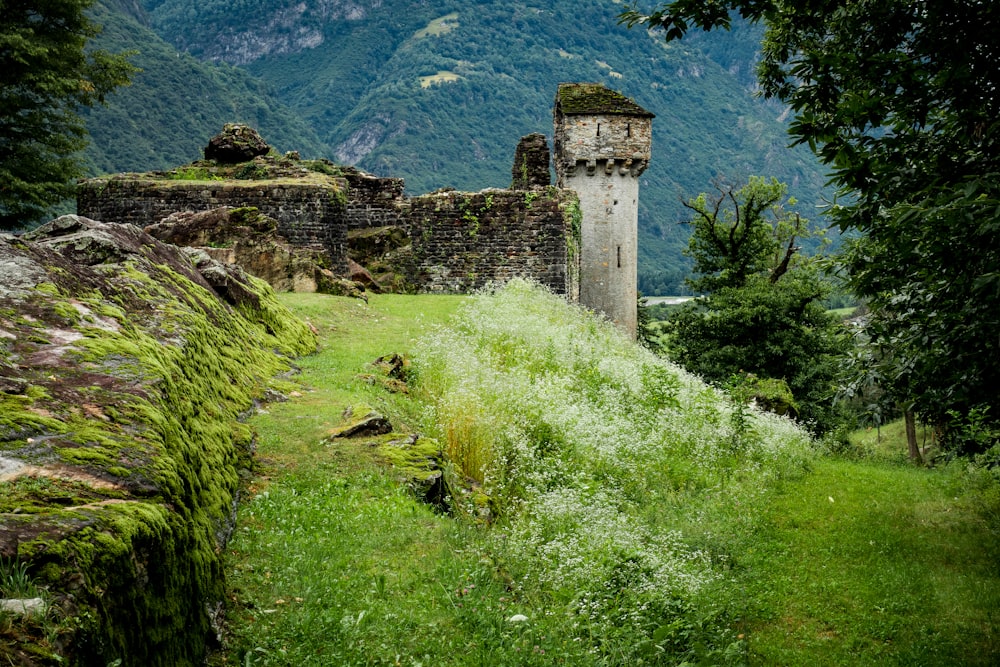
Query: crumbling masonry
(578,238)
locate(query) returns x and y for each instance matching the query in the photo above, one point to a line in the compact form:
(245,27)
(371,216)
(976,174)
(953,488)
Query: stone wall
(463,241)
(460,241)
(531,163)
(372,201)
(309,215)
(121,442)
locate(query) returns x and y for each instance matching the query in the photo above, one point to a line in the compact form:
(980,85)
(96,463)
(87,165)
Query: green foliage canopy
(729,243)
(900,98)
(762,315)
(45,75)
(930,273)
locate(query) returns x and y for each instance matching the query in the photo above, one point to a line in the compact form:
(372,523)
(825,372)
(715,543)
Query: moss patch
(590,98)
(122,432)
(416,459)
(264,170)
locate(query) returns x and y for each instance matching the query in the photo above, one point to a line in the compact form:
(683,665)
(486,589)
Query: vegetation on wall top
(587,98)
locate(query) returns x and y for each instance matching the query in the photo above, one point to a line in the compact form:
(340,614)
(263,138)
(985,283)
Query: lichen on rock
(124,374)
(360,420)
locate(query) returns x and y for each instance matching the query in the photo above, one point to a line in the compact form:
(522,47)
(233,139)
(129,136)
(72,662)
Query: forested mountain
(176,103)
(439,92)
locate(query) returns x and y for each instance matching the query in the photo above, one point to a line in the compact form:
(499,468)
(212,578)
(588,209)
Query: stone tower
(602,145)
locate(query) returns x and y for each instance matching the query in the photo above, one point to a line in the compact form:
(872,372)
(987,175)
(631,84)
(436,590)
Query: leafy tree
(900,98)
(762,315)
(46,74)
(731,239)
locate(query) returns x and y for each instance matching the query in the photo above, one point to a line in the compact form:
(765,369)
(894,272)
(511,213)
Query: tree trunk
(911,437)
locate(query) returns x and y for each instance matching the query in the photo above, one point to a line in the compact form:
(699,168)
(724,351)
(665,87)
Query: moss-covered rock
(360,420)
(327,283)
(775,396)
(419,462)
(391,371)
(771,394)
(125,373)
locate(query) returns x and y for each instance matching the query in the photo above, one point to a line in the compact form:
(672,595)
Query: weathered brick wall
(462,241)
(373,201)
(310,215)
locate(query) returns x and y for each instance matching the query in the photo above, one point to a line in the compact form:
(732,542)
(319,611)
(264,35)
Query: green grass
(333,559)
(811,560)
(842,313)
(15,581)
(352,335)
(871,564)
(439,26)
(888,442)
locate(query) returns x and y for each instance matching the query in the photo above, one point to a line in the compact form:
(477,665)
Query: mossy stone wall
(463,241)
(125,375)
(460,241)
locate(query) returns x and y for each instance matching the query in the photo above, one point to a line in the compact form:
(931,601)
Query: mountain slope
(176,103)
(440,91)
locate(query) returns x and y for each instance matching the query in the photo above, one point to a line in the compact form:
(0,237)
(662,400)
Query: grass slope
(789,559)
(864,563)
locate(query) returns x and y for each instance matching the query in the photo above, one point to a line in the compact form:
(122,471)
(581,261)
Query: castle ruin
(578,238)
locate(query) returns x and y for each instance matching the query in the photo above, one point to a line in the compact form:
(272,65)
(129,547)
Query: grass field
(769,555)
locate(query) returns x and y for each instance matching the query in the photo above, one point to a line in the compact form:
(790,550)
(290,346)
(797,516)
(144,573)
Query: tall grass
(15,582)
(635,516)
(574,432)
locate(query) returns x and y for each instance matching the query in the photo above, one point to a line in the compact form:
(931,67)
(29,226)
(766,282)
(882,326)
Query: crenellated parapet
(632,167)
(597,126)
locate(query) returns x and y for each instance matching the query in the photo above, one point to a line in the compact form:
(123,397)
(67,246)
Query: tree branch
(782,268)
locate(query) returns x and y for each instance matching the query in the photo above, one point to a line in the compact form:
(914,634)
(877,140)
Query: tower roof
(591,98)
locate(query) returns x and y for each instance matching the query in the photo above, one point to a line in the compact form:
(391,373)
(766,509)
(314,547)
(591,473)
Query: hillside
(176,103)
(627,528)
(440,92)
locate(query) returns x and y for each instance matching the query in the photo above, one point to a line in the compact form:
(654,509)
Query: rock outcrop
(236,143)
(245,237)
(123,373)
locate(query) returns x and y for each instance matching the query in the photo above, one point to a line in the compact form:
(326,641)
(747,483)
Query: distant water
(669,300)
